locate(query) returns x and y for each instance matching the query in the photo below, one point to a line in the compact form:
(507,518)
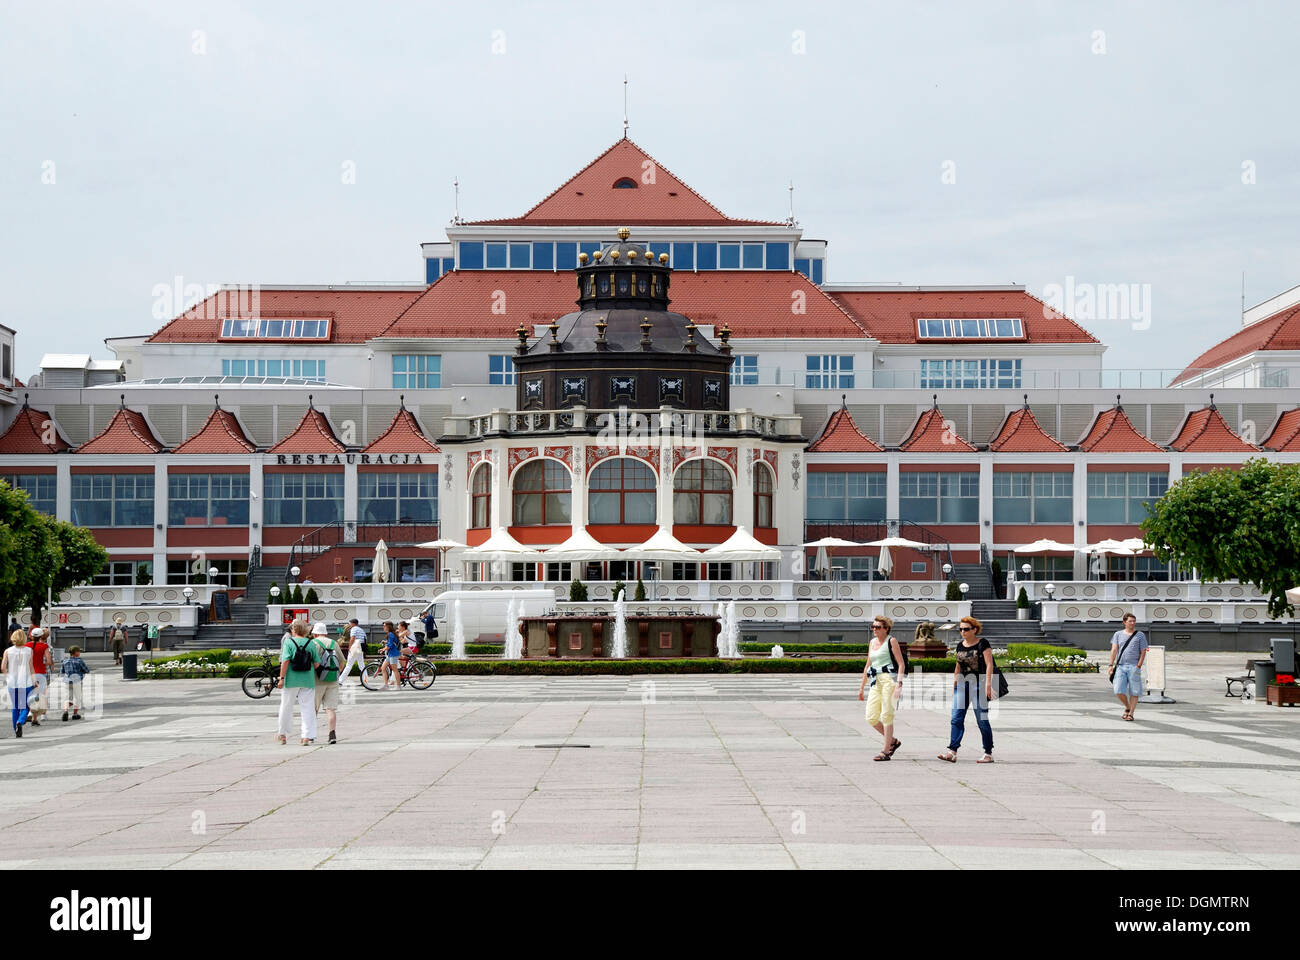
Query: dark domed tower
(623,347)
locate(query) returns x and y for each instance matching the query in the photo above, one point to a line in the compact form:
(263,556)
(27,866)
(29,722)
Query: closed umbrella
(822,562)
(380,574)
(886,565)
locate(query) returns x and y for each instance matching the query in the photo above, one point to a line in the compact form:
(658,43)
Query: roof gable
(1285,435)
(1278,332)
(312,435)
(403,436)
(930,435)
(222,433)
(1113,432)
(1204,431)
(1022,433)
(657,197)
(28,432)
(127,432)
(841,435)
(890,315)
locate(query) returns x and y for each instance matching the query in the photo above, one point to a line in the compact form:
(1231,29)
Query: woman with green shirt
(885,669)
(298,685)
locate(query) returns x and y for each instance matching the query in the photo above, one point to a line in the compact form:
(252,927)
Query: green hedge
(189,656)
(1029,651)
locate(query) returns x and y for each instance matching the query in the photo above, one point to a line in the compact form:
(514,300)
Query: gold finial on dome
(663,259)
(649,257)
(624,233)
(598,256)
(613,255)
(583,258)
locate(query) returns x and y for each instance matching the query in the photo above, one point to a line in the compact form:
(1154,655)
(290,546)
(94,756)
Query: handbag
(37,705)
(1119,659)
(1003,689)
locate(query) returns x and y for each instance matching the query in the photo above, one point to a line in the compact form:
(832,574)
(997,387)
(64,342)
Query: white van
(483,612)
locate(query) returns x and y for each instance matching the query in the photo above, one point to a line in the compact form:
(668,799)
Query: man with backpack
(117,639)
(327,676)
(298,659)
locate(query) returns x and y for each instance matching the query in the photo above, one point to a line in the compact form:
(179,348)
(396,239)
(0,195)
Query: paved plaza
(689,771)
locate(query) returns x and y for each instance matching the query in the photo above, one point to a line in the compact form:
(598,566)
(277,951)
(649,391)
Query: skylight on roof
(969,328)
(260,328)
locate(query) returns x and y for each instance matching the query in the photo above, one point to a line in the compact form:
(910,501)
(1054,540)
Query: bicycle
(260,681)
(418,672)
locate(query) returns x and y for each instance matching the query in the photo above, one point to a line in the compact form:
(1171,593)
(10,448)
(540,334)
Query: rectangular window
(417,371)
(803,265)
(660,247)
(520,256)
(559,572)
(201,499)
(817,272)
(543,256)
(685,571)
(846,496)
(496,256)
(302,499)
(471,255)
(970,374)
(230,573)
(566,256)
(706,256)
(501,369)
(39,487)
(969,328)
(413,570)
(854,568)
(778,256)
(683,256)
(1120,497)
(123,573)
(431,271)
(939,497)
(112,500)
(729,256)
(828,372)
(589,247)
(744,370)
(397,497)
(1033,497)
(753,256)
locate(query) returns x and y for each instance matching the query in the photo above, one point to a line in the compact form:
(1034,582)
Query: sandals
(893,747)
(881,756)
(949,755)
(282,739)
(987,758)
(1128,716)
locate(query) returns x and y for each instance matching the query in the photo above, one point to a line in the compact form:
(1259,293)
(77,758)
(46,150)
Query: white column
(350,490)
(1080,514)
(578,489)
(742,504)
(255,503)
(986,502)
(63,488)
(500,490)
(160,520)
(891,487)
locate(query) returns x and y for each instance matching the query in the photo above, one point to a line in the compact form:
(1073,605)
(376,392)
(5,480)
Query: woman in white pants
(356,650)
(299,685)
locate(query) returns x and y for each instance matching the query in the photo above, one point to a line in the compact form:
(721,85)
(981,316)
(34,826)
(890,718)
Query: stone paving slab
(759,772)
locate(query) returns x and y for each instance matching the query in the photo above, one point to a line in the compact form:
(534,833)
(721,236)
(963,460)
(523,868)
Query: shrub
(577,591)
(639,595)
(1022,600)
(297,595)
(954,590)
(311,597)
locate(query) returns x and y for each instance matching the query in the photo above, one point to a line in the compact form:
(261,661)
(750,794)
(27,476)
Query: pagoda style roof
(127,432)
(29,433)
(1113,432)
(402,436)
(312,435)
(841,435)
(222,433)
(929,435)
(1022,433)
(1206,431)
(1285,435)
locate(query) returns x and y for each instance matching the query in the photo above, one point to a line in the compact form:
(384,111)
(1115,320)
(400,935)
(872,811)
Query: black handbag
(1003,689)
(1118,660)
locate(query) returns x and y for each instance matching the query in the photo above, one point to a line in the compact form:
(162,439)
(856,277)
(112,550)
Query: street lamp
(963,587)
(1026,569)
(1049,589)
(294,571)
(212,574)
(947,569)
(189,595)
(275,594)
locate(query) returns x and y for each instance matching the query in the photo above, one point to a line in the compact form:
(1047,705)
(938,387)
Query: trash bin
(1265,673)
(128,664)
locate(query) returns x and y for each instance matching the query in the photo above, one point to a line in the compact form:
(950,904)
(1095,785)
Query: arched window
(541,494)
(762,496)
(621,490)
(625,183)
(480,512)
(702,493)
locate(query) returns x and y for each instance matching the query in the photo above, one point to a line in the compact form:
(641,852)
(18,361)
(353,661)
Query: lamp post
(189,595)
(947,570)
(212,575)
(1049,589)
(294,571)
(1026,569)
(963,587)
(275,594)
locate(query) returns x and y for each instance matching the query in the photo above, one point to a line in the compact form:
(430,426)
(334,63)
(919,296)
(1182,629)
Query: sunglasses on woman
(965,629)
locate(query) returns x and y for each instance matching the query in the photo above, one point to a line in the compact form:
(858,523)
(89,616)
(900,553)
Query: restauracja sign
(285,459)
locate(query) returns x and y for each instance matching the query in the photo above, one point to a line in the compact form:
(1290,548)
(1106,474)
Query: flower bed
(180,670)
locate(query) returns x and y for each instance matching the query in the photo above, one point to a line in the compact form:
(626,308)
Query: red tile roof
(220,434)
(465,303)
(312,435)
(1204,431)
(842,435)
(403,436)
(355,315)
(890,316)
(1281,331)
(1113,432)
(26,434)
(1286,433)
(589,197)
(127,432)
(931,436)
(1022,433)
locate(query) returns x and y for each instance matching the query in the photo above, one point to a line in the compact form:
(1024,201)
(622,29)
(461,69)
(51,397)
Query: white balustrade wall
(94,618)
(1163,611)
(1131,591)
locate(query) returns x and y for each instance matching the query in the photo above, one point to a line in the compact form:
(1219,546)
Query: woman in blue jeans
(974,660)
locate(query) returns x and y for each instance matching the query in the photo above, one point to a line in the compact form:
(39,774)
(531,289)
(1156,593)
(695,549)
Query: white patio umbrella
(662,546)
(740,546)
(581,545)
(1117,547)
(442,546)
(886,565)
(1046,546)
(826,547)
(897,542)
(500,546)
(380,574)
(1293,595)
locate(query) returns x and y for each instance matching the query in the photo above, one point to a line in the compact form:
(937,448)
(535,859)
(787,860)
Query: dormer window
(625,183)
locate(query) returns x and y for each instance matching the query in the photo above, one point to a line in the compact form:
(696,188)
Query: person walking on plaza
(356,649)
(392,657)
(117,639)
(298,659)
(885,669)
(17,666)
(1128,650)
(430,626)
(974,664)
(327,676)
(74,670)
(41,662)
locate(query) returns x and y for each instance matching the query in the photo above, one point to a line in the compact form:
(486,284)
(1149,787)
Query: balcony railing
(331,534)
(1256,376)
(862,531)
(623,424)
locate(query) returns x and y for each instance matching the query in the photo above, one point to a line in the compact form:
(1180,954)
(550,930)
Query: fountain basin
(586,637)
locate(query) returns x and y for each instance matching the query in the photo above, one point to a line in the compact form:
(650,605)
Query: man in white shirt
(357,649)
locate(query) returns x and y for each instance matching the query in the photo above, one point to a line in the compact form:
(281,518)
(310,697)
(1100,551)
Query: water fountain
(732,632)
(514,641)
(619,644)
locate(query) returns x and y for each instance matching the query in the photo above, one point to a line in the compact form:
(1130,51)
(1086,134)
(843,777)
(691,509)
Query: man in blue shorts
(1128,649)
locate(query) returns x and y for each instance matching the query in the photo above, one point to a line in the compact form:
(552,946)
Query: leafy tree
(577,591)
(83,558)
(39,554)
(1234,525)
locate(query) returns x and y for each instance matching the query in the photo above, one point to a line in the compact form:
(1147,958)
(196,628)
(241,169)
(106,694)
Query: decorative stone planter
(1022,613)
(926,650)
(1283,696)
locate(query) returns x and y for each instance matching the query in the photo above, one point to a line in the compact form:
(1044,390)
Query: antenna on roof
(1243,294)
(625,106)
(456,186)
(790,219)
(216,400)
(121,401)
(1212,406)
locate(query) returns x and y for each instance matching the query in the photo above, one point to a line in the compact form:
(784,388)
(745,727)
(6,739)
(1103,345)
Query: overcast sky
(1133,143)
